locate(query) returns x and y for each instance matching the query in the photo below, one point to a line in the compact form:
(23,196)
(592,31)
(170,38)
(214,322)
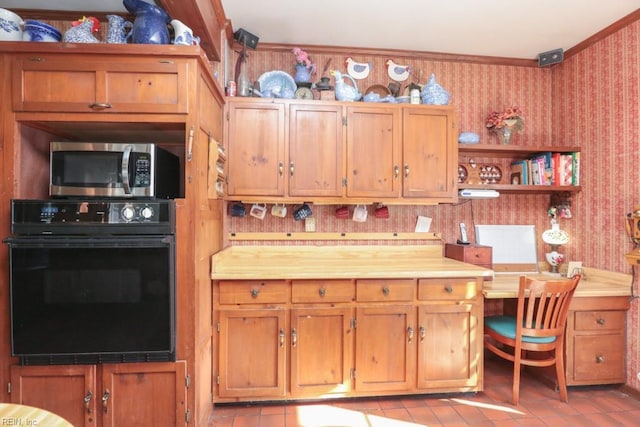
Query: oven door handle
(126,158)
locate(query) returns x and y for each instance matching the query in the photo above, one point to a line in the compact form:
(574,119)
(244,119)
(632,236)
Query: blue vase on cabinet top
(150,23)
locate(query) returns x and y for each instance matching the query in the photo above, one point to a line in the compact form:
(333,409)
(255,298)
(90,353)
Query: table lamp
(555,237)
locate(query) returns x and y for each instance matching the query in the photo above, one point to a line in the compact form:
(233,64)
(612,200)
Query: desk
(595,349)
(22,415)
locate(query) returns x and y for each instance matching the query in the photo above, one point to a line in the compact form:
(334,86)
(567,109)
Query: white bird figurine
(397,72)
(357,70)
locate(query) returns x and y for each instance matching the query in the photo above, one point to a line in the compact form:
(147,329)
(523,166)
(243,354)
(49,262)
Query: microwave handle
(126,156)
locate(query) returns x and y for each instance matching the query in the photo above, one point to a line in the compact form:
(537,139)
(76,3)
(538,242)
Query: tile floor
(601,406)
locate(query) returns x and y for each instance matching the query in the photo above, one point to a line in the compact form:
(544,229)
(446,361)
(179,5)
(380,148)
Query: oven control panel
(70,216)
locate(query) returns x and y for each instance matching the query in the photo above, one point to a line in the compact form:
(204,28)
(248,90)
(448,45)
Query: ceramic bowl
(10,26)
(36,31)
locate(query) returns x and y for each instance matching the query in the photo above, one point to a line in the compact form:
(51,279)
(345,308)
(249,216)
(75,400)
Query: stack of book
(548,168)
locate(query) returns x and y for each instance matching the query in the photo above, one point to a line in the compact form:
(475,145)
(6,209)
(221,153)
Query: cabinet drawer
(599,320)
(385,290)
(319,291)
(599,357)
(253,292)
(447,289)
(473,254)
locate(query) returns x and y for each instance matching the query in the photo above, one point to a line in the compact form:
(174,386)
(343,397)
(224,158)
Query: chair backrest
(543,306)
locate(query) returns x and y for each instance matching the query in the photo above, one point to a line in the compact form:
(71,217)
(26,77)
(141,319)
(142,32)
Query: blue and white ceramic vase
(150,23)
(303,74)
(117,31)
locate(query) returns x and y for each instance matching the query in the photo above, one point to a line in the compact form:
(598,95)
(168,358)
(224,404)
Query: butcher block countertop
(594,283)
(329,262)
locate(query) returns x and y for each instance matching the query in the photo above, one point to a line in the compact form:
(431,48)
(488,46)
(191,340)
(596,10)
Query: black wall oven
(92,281)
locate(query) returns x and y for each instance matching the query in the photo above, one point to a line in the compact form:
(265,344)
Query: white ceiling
(503,28)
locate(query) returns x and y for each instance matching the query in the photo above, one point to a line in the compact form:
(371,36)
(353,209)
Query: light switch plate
(310,224)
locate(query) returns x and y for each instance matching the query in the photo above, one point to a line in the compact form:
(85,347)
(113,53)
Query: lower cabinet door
(113,395)
(448,354)
(143,394)
(252,353)
(321,351)
(68,391)
(385,354)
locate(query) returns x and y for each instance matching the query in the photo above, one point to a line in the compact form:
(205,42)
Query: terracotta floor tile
(540,406)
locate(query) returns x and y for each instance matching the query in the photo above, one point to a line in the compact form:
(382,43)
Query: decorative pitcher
(117,32)
(150,24)
(182,34)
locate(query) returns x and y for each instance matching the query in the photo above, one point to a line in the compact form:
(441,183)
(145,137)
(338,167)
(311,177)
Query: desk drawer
(599,320)
(447,289)
(378,290)
(599,358)
(253,291)
(322,291)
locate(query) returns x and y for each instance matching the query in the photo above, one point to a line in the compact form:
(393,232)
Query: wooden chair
(538,327)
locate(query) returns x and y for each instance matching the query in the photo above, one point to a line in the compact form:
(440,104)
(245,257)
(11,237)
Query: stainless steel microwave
(102,169)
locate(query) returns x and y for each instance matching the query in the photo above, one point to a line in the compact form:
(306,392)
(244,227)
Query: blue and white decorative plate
(277,84)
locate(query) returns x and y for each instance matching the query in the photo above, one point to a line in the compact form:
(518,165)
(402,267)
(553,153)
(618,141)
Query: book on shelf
(576,168)
(519,173)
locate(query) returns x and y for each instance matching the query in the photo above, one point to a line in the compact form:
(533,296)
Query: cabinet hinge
(354,324)
(187,381)
(9,387)
(227,116)
(187,416)
(190,144)
(344,121)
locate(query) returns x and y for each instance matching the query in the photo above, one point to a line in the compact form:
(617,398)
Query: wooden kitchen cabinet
(346,337)
(122,93)
(255,143)
(340,152)
(595,341)
(450,325)
(131,394)
(321,344)
(316,150)
(252,346)
(93,83)
(374,139)
(429,153)
(385,348)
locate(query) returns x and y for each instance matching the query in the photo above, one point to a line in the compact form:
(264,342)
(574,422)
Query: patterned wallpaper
(592,100)
(596,104)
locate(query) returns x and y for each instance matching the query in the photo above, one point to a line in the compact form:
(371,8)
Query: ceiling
(503,28)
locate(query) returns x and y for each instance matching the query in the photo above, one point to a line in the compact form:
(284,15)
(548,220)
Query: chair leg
(515,398)
(560,375)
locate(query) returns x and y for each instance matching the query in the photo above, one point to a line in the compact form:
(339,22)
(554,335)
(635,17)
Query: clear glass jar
(244,85)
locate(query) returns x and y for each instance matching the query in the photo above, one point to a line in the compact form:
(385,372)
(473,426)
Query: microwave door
(126,159)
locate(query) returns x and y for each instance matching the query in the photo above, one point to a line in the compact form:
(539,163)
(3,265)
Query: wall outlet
(574,267)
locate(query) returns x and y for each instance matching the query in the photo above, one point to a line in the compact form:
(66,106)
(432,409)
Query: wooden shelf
(514,152)
(522,189)
(509,151)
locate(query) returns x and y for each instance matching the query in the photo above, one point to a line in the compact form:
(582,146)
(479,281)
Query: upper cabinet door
(68,83)
(315,150)
(373,151)
(429,154)
(256,149)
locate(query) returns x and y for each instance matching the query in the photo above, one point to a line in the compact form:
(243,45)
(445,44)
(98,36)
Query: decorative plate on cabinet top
(277,84)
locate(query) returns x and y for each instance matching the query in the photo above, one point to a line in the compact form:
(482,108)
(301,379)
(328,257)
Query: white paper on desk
(423,224)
